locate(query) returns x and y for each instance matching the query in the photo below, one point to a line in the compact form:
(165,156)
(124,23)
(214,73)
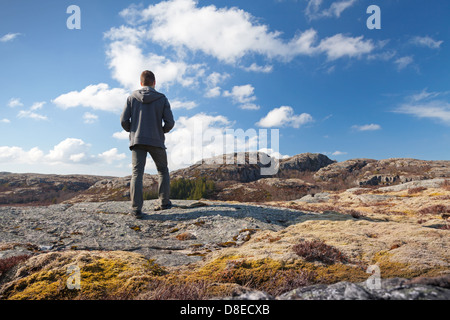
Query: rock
(315,198)
(340,170)
(391,289)
(305,162)
(432,183)
(253,295)
(107,226)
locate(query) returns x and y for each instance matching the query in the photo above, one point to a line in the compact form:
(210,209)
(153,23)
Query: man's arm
(126,116)
(169,122)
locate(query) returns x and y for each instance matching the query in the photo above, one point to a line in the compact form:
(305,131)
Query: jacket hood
(147,95)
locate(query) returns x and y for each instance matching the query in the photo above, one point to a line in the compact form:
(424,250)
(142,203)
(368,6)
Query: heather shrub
(317,250)
(8,263)
(435,209)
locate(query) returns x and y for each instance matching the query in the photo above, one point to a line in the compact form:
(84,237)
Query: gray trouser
(139,158)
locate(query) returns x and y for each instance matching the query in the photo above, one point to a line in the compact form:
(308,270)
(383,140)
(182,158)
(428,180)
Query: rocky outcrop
(113,189)
(41,188)
(246,167)
(305,162)
(389,289)
(369,172)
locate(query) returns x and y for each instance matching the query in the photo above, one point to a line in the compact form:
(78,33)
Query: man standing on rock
(143,117)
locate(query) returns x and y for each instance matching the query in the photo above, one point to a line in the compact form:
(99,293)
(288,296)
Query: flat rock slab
(172,237)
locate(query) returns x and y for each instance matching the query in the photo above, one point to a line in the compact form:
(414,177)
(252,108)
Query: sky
(329,77)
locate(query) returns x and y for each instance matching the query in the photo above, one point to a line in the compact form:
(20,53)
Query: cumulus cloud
(249,106)
(367,127)
(204,136)
(5,120)
(19,156)
(127,61)
(256,68)
(426,42)
(111,156)
(15,102)
(339,153)
(284,116)
(89,118)
(37,106)
(274,154)
(403,62)
(121,135)
(97,97)
(241,94)
(68,152)
(314,10)
(31,115)
(9,37)
(212,81)
(178,104)
(229,34)
(339,46)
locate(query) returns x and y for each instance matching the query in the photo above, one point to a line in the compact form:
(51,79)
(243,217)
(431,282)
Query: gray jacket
(143,117)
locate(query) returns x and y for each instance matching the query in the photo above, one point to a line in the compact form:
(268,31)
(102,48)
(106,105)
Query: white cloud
(425,95)
(213,92)
(37,106)
(250,106)
(121,135)
(89,118)
(426,42)
(194,138)
(229,34)
(127,61)
(274,154)
(19,156)
(212,81)
(339,46)
(31,115)
(97,97)
(403,62)
(284,116)
(111,156)
(9,37)
(241,94)
(188,105)
(69,152)
(313,9)
(434,109)
(15,102)
(256,68)
(367,127)
(5,120)
(215,78)
(339,153)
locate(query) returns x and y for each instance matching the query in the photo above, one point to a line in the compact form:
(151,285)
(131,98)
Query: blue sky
(310,68)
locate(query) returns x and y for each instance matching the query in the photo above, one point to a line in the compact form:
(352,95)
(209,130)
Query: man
(143,118)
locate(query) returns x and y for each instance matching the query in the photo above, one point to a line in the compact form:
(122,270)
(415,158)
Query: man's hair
(147,78)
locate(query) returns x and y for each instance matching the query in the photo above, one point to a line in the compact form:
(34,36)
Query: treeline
(186,189)
(191,189)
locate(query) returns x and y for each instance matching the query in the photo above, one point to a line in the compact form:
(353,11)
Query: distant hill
(302,174)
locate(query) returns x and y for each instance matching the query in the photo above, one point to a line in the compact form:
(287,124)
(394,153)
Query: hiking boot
(164,207)
(137,214)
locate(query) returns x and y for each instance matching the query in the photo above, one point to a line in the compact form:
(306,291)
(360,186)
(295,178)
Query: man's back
(143,115)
